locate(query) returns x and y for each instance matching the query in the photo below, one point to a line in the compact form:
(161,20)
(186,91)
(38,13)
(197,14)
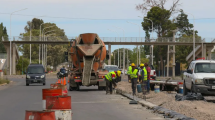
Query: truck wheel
(70,88)
(27,84)
(101,88)
(184,89)
(44,83)
(193,89)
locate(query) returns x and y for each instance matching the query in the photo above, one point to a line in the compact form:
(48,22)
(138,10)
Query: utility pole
(127,60)
(123,60)
(120,59)
(137,55)
(173,63)
(114,57)
(30,40)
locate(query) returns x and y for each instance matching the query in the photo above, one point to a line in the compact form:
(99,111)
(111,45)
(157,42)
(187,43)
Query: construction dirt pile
(199,110)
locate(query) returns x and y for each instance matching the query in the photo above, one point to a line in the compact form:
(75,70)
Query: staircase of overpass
(201,51)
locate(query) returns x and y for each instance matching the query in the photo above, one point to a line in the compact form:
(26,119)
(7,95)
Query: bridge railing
(116,39)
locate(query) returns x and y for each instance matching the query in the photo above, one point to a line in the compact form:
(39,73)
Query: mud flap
(102,83)
(72,83)
(88,64)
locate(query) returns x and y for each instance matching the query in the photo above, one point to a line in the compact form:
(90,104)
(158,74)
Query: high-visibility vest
(129,70)
(109,76)
(145,73)
(133,74)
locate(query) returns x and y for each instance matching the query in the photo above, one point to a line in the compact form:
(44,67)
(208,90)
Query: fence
(115,39)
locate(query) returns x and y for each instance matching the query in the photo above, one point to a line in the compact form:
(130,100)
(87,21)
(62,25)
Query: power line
(90,18)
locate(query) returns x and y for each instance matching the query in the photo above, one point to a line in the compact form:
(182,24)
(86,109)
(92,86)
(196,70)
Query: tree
(185,31)
(3,33)
(148,4)
(55,53)
(22,64)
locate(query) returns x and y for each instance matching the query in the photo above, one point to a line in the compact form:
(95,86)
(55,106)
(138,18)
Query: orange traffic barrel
(58,103)
(39,115)
(50,92)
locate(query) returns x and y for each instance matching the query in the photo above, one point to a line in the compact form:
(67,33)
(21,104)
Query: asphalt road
(87,104)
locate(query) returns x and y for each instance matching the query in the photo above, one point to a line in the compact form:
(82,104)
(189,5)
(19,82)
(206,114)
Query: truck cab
(200,77)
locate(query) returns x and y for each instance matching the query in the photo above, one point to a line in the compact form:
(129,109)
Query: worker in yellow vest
(110,79)
(128,72)
(134,77)
(143,80)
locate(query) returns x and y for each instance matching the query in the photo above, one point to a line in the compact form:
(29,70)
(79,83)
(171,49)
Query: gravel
(199,110)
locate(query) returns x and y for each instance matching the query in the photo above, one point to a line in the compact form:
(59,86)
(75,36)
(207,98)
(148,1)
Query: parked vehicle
(200,77)
(35,74)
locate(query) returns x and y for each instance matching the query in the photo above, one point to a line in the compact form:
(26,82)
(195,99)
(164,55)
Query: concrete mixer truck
(88,53)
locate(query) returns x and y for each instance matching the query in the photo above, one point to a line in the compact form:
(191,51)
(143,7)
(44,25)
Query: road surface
(87,104)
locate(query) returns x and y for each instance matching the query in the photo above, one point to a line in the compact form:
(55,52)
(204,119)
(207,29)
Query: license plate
(213,87)
(35,80)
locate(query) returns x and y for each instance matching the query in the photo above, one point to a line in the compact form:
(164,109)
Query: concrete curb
(156,109)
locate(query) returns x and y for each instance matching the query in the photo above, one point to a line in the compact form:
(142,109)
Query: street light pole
(123,50)
(118,45)
(193,36)
(151,47)
(11,36)
(139,40)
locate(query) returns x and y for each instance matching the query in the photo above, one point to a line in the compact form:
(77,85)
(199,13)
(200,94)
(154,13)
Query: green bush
(2,81)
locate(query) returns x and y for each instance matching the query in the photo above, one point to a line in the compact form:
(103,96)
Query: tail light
(154,73)
(180,83)
(101,76)
(77,77)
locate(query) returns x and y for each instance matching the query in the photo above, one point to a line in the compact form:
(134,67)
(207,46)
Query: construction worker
(128,72)
(134,77)
(148,69)
(143,80)
(110,79)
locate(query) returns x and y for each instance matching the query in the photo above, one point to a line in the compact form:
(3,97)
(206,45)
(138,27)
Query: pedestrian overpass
(107,40)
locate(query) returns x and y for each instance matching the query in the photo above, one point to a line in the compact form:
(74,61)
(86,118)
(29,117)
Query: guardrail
(114,39)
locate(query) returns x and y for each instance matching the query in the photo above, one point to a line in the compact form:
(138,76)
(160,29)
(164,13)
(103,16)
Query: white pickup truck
(200,77)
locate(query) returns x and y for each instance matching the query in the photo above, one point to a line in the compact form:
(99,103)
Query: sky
(99,9)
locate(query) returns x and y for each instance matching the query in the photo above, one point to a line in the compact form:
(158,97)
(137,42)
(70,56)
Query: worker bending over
(110,79)
(143,80)
(134,77)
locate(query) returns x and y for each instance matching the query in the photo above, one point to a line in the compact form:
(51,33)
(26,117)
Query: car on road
(200,77)
(35,74)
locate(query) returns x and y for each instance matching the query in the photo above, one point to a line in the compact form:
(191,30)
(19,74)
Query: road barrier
(56,103)
(50,92)
(40,115)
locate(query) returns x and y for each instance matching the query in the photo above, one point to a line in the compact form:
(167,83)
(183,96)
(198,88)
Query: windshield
(111,68)
(35,70)
(205,68)
(151,67)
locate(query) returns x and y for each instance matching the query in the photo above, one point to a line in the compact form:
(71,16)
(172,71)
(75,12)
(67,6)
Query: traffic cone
(61,81)
(64,81)
(58,81)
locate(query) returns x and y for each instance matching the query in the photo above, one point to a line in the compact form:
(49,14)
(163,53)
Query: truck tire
(101,88)
(193,89)
(185,90)
(72,88)
(27,84)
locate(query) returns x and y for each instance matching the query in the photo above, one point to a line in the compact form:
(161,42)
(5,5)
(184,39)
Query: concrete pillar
(13,59)
(114,57)
(8,59)
(167,74)
(109,49)
(173,60)
(204,51)
(120,59)
(209,54)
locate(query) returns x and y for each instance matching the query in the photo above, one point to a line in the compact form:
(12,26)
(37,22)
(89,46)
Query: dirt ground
(199,110)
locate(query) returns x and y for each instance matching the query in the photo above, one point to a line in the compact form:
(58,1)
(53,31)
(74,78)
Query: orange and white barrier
(40,115)
(56,103)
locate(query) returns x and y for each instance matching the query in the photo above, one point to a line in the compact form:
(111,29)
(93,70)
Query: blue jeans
(148,85)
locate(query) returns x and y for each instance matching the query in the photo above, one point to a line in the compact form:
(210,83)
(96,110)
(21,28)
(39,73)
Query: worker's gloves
(129,81)
(138,81)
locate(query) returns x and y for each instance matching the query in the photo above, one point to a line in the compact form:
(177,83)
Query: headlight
(42,76)
(199,81)
(28,77)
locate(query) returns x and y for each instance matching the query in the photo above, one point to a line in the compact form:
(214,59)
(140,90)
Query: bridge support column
(8,60)
(13,59)
(109,49)
(204,51)
(209,55)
